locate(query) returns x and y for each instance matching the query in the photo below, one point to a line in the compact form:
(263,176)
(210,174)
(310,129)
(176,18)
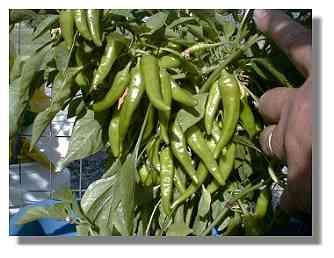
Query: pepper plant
(171,96)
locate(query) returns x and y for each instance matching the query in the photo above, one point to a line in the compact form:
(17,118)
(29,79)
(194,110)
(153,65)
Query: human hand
(289,111)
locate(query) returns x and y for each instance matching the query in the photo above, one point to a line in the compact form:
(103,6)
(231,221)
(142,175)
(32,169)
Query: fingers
(272,102)
(271,141)
(289,35)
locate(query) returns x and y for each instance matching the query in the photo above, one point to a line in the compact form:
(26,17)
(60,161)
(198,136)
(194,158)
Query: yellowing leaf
(34,154)
(39,100)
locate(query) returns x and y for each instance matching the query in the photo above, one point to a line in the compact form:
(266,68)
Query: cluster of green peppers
(168,160)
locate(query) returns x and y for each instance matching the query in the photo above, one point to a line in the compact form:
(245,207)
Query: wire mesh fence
(30,181)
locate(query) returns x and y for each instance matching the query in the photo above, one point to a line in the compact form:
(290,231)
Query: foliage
(118,203)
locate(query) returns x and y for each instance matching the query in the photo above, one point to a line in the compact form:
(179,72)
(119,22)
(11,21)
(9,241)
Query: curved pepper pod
(80,19)
(226,165)
(230,92)
(81,79)
(197,143)
(169,61)
(150,124)
(211,107)
(202,173)
(66,21)
(262,203)
(247,118)
(118,86)
(131,102)
(182,96)
(114,47)
(166,179)
(93,22)
(151,73)
(179,149)
(113,132)
(166,93)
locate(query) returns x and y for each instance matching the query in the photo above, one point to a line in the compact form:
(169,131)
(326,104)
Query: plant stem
(214,76)
(232,200)
(151,218)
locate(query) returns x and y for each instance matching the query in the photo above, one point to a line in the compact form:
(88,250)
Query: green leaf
(216,207)
(19,91)
(86,139)
(45,25)
(103,219)
(28,46)
(127,190)
(204,203)
(61,55)
(96,197)
(187,117)
(56,211)
(118,220)
(178,229)
(156,21)
(181,20)
(16,70)
(227,23)
(62,92)
(197,31)
(19,15)
(122,12)
(64,195)
(83,229)
(114,168)
(200,224)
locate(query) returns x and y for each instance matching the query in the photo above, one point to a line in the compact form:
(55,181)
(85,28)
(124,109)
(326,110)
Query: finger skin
(292,141)
(290,36)
(273,101)
(298,145)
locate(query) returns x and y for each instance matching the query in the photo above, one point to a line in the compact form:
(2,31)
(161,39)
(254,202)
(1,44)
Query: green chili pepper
(179,149)
(230,92)
(262,203)
(166,179)
(215,132)
(169,61)
(81,79)
(119,84)
(202,173)
(156,177)
(247,118)
(114,47)
(182,96)
(151,74)
(179,181)
(93,21)
(197,143)
(211,108)
(114,138)
(80,18)
(66,21)
(150,123)
(226,164)
(155,159)
(167,98)
(131,102)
